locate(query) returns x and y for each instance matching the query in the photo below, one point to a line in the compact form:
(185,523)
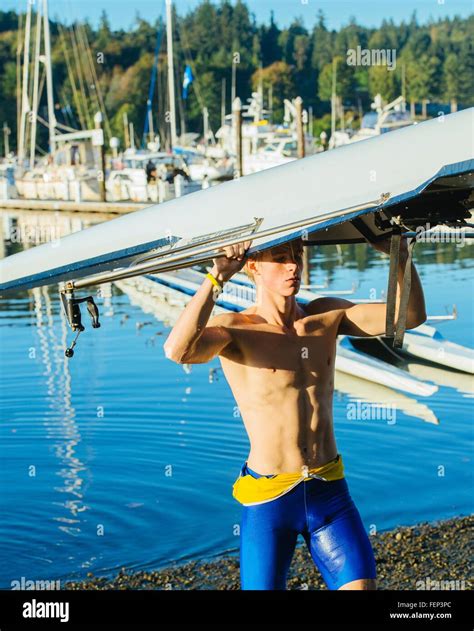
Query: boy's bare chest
(309,347)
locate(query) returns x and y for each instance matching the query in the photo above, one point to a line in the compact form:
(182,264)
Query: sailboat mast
(169,35)
(333,98)
(35,88)
(234,82)
(18,80)
(25,105)
(6,142)
(150,123)
(126,131)
(223,86)
(49,77)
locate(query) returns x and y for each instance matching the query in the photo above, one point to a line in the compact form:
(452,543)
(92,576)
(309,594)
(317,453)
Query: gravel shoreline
(407,558)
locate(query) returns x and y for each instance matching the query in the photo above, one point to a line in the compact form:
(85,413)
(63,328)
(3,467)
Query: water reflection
(361,257)
(462,382)
(61,425)
(22,229)
(381,397)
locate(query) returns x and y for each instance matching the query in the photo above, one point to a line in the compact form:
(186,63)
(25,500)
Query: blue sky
(368,12)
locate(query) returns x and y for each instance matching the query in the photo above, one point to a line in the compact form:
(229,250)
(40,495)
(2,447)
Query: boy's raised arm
(190,334)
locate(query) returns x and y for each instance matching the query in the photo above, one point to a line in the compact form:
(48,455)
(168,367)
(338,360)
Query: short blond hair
(257,255)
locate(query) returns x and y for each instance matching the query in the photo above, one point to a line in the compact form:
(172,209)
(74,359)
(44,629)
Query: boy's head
(276,267)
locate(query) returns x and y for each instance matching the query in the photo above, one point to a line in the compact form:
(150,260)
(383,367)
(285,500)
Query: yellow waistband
(249,490)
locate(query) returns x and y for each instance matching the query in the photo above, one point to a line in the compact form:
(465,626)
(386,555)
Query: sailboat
(69,170)
(180,170)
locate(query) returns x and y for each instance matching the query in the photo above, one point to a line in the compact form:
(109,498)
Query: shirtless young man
(278,358)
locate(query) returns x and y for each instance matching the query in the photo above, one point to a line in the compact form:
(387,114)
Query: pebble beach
(426,556)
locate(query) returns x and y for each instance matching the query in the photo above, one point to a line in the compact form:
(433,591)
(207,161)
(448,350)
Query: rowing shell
(422,173)
(427,343)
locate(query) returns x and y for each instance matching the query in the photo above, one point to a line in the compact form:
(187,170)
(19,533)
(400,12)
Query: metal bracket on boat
(178,257)
(73,313)
(391,330)
(246,231)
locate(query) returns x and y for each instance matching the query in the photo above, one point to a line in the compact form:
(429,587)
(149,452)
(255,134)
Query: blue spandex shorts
(325,514)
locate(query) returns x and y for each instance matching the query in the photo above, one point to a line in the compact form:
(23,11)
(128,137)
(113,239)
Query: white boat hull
(319,195)
(435,348)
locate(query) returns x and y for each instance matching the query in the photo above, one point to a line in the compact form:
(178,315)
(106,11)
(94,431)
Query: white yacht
(383,119)
(264,145)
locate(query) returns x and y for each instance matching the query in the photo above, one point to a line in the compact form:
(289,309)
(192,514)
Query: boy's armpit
(214,340)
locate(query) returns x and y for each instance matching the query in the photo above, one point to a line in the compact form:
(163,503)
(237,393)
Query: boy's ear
(250,263)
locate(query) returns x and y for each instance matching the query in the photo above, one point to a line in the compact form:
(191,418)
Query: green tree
(452,80)
(301,48)
(323,50)
(458,77)
(280,76)
(104,34)
(384,82)
(269,35)
(437,57)
(422,76)
(349,37)
(345,80)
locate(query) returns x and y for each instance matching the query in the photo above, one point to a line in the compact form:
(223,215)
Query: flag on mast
(188,79)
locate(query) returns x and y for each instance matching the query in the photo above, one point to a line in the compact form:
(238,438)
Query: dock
(36,205)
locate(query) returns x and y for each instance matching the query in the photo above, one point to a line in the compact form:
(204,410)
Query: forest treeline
(94,66)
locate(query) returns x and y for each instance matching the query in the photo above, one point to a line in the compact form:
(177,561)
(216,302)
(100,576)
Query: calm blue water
(119,457)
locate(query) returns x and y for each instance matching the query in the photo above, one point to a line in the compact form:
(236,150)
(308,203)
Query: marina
(78,169)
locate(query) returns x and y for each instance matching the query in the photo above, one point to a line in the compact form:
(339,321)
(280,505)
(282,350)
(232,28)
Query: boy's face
(280,268)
